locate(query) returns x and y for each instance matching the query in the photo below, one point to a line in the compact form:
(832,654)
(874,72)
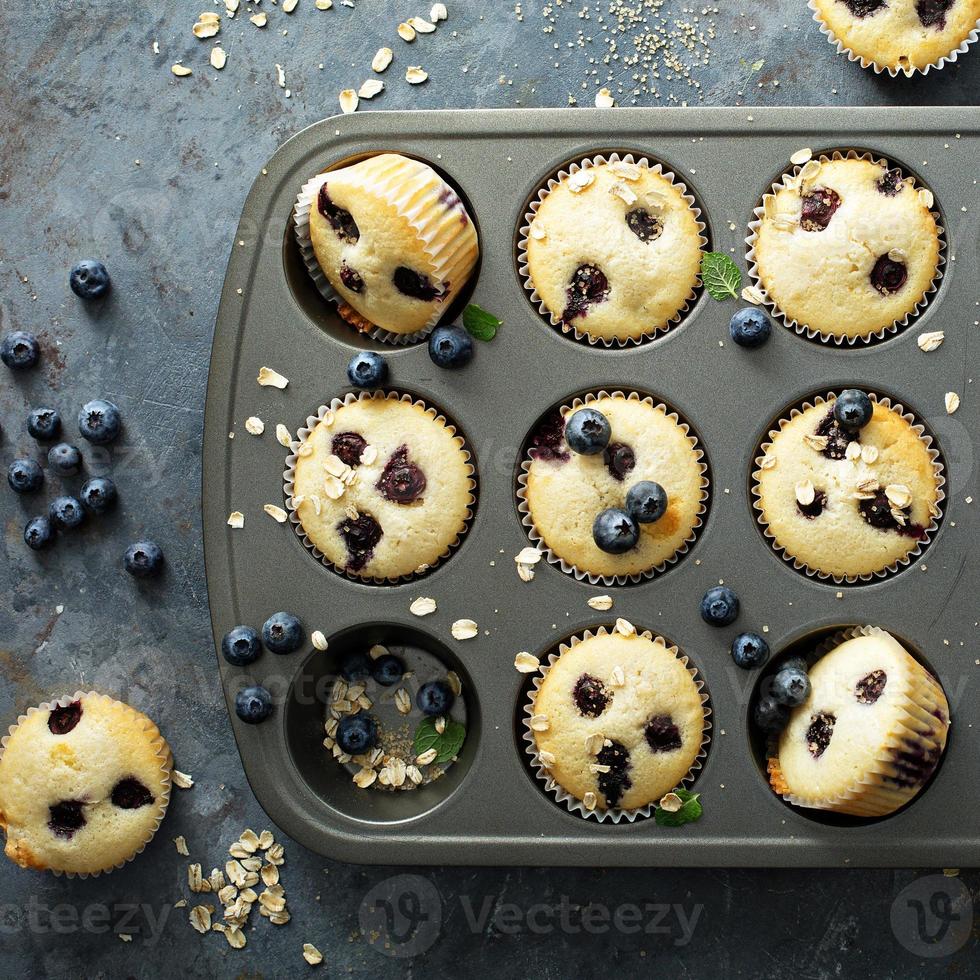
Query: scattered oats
(528,556)
(396,772)
(181,779)
(438,12)
(767,462)
(580,180)
(525,572)
(422,606)
(601,602)
(853,451)
(254,425)
(898,255)
(526,663)
(236,519)
(440,724)
(323,4)
(269,874)
(925,197)
(181,844)
(231,6)
(809,172)
(181,71)
(455,684)
(537,232)
(547,758)
(672,802)
(598,767)
(898,495)
(249,839)
(271,379)
(288,6)
(625,628)
(318,640)
(620,190)
(868,453)
(805,493)
(752,295)
(181,904)
(414,774)
(311,954)
(604,99)
(378,650)
(930,341)
(371,88)
(464,629)
(429,755)
(421,25)
(218,58)
(282,435)
(952,401)
(275,854)
(382,59)
(333,487)
(364,777)
(618,677)
(414,75)
(819,443)
(348,101)
(194,880)
(259,20)
(594,743)
(539,723)
(589,801)
(200,917)
(403,701)
(207,26)
(216,880)
(235,937)
(406,32)
(801,156)
(276,513)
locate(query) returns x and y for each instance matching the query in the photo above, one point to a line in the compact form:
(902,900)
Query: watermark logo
(933,916)
(401,916)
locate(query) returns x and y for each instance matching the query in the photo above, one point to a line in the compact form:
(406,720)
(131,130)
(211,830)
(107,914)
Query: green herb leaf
(688,813)
(480,324)
(447,745)
(720,275)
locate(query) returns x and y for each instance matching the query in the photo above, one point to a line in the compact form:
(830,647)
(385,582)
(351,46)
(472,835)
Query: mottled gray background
(104,153)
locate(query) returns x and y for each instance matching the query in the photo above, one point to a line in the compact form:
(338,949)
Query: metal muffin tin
(489,809)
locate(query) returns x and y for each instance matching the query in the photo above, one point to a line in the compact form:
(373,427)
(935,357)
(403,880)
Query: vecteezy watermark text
(144,922)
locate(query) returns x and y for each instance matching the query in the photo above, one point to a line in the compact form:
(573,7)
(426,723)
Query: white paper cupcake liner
(574,805)
(893,71)
(543,192)
(896,566)
(802,329)
(289,477)
(610,580)
(874,792)
(439,252)
(166,764)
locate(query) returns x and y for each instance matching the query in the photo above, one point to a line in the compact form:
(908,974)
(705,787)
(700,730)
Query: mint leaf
(447,745)
(480,324)
(720,275)
(688,813)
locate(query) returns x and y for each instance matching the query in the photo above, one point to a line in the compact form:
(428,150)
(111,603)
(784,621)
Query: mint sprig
(720,275)
(447,745)
(479,324)
(688,813)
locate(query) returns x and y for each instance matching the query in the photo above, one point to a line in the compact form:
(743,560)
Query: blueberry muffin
(394,241)
(568,493)
(900,34)
(869,735)
(84,784)
(847,248)
(614,251)
(382,487)
(618,720)
(847,501)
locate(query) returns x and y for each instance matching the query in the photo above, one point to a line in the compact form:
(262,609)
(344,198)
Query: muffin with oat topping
(900,34)
(614,251)
(395,242)
(870,733)
(618,720)
(847,501)
(848,247)
(382,486)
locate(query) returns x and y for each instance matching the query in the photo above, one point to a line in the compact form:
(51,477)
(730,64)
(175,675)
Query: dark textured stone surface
(85,98)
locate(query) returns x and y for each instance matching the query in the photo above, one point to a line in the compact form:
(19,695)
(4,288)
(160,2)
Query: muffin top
(847,502)
(869,701)
(848,247)
(620,718)
(82,786)
(382,486)
(901,34)
(394,240)
(614,251)
(566,490)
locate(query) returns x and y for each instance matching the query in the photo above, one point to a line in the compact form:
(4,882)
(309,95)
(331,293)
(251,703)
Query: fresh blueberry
(98,494)
(749,650)
(853,409)
(435,698)
(143,559)
(770,715)
(39,533)
(355,667)
(19,350)
(797,663)
(64,458)
(25,476)
(367,369)
(357,734)
(66,512)
(240,646)
(750,327)
(44,423)
(587,432)
(282,632)
(450,347)
(646,501)
(790,686)
(719,607)
(388,669)
(253,704)
(89,279)
(99,422)
(614,531)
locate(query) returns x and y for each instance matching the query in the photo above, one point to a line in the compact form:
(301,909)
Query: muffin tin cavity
(590,284)
(306,711)
(759,745)
(322,311)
